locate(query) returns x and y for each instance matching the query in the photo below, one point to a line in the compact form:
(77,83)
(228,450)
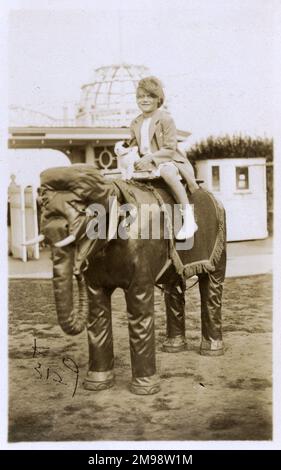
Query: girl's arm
(133,141)
(169,138)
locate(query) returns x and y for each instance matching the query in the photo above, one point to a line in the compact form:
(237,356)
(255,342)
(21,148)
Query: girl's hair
(154,87)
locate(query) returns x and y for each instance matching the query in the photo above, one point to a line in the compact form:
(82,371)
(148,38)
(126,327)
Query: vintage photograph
(140,222)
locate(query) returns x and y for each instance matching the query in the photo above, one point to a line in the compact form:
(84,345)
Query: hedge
(236,146)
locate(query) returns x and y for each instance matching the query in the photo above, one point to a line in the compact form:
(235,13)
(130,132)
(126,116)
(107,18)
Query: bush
(232,147)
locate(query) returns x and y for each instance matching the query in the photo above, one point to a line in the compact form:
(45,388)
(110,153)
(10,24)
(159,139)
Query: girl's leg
(186,170)
(170,175)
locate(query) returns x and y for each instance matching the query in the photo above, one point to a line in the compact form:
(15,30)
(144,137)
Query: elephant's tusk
(35,240)
(66,241)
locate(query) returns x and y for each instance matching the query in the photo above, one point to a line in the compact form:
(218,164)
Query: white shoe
(189,226)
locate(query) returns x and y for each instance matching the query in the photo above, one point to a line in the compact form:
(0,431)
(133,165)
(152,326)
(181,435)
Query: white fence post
(17,213)
(31,222)
(23,218)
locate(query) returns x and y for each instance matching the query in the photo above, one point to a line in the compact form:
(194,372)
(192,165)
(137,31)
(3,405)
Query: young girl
(154,132)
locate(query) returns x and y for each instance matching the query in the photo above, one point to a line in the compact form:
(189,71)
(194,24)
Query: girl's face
(146,102)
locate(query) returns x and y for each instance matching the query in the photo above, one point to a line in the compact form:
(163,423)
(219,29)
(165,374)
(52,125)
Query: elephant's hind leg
(211,289)
(140,306)
(101,360)
(175,316)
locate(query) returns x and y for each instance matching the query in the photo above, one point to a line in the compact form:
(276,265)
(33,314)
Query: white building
(240,184)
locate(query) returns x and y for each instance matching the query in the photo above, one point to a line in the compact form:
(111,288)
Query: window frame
(247,178)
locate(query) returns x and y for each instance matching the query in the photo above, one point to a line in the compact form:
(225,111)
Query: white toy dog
(126,157)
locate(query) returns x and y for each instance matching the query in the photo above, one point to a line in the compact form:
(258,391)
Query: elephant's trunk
(72,314)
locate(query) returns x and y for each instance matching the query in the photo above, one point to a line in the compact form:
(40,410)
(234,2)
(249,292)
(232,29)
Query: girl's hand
(144,162)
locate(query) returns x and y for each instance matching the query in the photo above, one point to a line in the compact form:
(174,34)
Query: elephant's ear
(55,229)
(113,219)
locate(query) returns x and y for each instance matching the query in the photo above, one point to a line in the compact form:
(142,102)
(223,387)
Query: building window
(105,157)
(242,177)
(216,178)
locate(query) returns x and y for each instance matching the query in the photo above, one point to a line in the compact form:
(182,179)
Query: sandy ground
(201,398)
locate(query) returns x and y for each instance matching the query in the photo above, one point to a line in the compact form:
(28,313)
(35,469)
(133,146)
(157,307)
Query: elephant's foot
(211,347)
(97,381)
(176,344)
(145,385)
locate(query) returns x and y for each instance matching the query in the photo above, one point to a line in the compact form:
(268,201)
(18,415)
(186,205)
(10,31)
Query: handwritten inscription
(56,375)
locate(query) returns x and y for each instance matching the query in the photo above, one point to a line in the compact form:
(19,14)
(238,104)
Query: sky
(215,57)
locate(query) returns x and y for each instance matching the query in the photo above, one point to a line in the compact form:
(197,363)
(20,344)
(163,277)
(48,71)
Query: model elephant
(135,264)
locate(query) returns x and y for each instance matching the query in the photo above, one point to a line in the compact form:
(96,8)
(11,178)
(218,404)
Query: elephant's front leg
(174,293)
(140,306)
(101,360)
